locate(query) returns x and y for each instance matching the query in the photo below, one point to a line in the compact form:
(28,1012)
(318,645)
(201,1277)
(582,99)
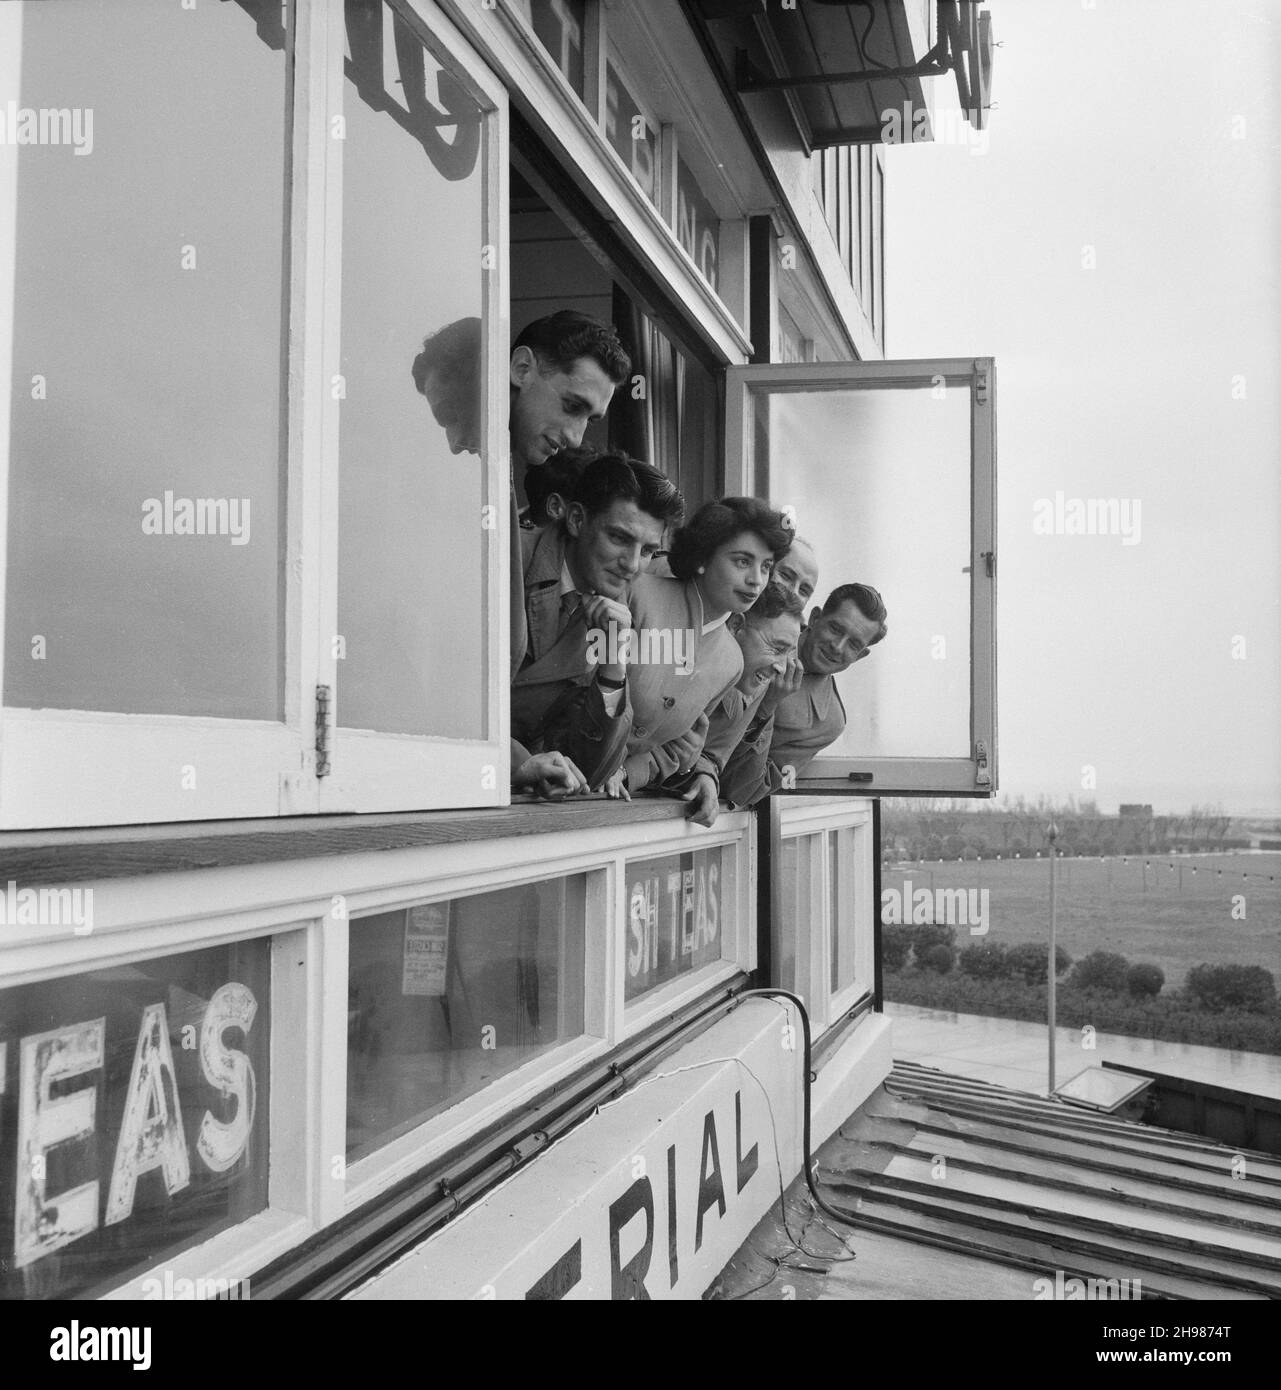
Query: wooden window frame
(306,906)
(794,819)
(137,768)
(975,775)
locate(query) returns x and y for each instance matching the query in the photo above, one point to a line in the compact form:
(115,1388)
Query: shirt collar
(707,627)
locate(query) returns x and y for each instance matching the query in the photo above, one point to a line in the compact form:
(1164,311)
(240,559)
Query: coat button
(668,701)
(638,731)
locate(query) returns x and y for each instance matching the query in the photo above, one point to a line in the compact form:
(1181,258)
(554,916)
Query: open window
(255,558)
(890,471)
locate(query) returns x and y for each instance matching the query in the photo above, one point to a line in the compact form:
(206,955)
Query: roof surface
(962,1189)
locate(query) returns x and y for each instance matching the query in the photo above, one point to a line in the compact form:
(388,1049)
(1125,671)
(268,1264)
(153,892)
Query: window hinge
(322,731)
(982,777)
(980,383)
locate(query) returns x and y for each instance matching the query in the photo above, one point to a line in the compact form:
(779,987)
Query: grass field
(1102,905)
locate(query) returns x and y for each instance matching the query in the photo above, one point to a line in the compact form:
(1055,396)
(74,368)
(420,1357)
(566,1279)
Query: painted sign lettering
(138,1122)
(673,918)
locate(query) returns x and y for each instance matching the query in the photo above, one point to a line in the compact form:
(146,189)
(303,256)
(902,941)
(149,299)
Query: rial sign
(127,1130)
(649,1198)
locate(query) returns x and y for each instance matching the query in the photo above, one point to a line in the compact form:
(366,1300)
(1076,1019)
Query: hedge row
(1170,1018)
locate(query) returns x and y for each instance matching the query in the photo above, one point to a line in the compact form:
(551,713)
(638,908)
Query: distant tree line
(1219,1005)
(935,828)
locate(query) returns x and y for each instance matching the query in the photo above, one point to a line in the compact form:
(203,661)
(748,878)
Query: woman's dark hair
(714,524)
(868,602)
(612,477)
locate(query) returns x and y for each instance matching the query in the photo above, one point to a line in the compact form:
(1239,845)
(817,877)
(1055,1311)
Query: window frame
(738,953)
(80,767)
(974,775)
(148,929)
(98,767)
(663,148)
(371,770)
(808,945)
(306,907)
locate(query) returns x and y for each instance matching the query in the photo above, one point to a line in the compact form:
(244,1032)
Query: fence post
(1051,977)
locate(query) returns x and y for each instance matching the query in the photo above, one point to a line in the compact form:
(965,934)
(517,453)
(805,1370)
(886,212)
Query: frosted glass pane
(144,559)
(411,549)
(880,480)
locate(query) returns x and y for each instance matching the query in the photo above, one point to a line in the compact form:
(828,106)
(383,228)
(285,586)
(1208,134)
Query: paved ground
(1012,1053)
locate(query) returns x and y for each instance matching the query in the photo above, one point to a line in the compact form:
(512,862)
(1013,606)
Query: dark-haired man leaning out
(578,577)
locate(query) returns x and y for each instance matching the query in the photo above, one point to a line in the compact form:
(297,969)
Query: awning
(842,65)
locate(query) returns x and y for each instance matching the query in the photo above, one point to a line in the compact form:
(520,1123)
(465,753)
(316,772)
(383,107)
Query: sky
(1112,240)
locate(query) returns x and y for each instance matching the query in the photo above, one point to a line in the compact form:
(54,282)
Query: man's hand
(552,776)
(786,682)
(702,799)
(615,786)
(689,745)
(613,618)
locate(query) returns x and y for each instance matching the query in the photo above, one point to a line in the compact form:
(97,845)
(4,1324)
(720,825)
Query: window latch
(980,383)
(322,731)
(982,777)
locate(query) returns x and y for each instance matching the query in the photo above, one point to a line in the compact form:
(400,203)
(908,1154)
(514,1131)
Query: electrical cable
(808,1077)
(819,1205)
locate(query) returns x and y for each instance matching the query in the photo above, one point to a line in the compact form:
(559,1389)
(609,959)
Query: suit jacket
(671,700)
(728,722)
(800,728)
(556,704)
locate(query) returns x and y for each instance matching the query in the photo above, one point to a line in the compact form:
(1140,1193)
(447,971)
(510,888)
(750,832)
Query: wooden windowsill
(68,856)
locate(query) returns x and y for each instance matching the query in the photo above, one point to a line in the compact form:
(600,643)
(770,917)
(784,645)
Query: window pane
(445,998)
(675,425)
(865,226)
(840,849)
(559,25)
(630,133)
(800,898)
(411,545)
(143,1091)
(698,228)
(847,210)
(878,252)
(676,916)
(146,410)
(880,479)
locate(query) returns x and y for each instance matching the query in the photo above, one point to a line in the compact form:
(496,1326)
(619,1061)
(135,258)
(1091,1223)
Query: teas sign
(130,1114)
(673,917)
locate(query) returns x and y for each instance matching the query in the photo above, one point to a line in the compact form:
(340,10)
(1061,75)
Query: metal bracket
(322,730)
(982,777)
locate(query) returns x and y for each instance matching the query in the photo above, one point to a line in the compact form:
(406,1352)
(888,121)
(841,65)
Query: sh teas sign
(132,1115)
(673,917)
